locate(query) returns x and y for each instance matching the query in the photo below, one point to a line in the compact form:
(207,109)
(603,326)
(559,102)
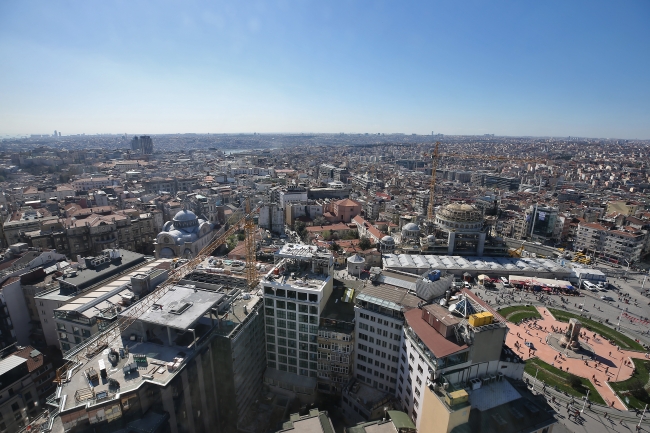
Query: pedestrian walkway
(594,419)
(611,363)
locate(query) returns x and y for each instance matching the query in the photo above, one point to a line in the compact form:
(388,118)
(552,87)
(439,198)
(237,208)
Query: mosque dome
(185,215)
(461,212)
(411,227)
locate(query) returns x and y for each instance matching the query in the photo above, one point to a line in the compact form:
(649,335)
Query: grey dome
(411,227)
(185,215)
(387,239)
(356,259)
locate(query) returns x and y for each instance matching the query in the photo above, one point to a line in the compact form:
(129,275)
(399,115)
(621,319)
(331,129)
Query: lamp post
(644,409)
(586,400)
(619,369)
(627,269)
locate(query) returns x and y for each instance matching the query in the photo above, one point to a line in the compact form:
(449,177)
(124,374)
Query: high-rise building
(135,144)
(296,291)
(146,145)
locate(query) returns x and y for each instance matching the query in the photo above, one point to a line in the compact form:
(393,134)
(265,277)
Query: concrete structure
(207,349)
(55,294)
(271,218)
(87,184)
(475,266)
(41,370)
(623,246)
(183,237)
(315,422)
(356,264)
(336,342)
(296,291)
(462,225)
(18,394)
(84,315)
(444,345)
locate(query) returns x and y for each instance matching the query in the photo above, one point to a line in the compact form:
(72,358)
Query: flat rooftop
(299,279)
(388,296)
(180,307)
(336,309)
(489,265)
(493,395)
(91,303)
(302,251)
(89,277)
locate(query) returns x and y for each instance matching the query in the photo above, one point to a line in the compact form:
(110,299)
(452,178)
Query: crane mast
(432,188)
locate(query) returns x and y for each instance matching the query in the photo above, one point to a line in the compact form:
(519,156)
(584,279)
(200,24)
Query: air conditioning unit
(475,383)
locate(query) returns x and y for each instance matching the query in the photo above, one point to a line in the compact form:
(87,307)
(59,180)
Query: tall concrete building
(296,291)
(192,362)
(142,144)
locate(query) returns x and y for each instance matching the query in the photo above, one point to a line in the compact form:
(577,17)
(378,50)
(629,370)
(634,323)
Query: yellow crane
(102,340)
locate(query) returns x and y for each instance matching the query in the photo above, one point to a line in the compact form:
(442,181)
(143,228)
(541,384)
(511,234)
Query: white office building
(295,293)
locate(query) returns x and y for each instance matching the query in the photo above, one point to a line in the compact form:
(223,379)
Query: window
(291,305)
(291,316)
(280,314)
(280,304)
(303,308)
(15,407)
(418,381)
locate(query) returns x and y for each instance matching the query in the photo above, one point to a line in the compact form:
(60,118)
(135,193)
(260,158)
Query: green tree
(301,229)
(335,247)
(364,243)
(327,235)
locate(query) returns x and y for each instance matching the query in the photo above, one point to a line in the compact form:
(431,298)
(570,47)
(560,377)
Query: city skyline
(507,69)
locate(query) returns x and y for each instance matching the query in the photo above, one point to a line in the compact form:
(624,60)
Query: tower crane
(435,158)
(113,331)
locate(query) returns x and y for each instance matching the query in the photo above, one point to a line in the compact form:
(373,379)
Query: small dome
(431,238)
(356,259)
(411,227)
(387,240)
(185,215)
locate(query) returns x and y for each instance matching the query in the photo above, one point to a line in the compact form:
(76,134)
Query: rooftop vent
(180,309)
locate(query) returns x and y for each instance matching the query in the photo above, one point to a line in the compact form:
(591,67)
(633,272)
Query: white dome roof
(387,239)
(356,259)
(411,227)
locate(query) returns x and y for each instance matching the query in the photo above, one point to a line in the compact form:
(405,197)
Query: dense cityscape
(323,283)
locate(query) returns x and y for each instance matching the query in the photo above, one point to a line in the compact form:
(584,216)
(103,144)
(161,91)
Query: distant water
(228,151)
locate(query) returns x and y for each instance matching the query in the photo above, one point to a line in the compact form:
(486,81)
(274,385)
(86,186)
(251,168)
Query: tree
(301,229)
(364,243)
(335,247)
(575,382)
(320,221)
(327,235)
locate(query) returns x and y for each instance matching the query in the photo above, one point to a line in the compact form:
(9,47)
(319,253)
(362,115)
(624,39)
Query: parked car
(607,298)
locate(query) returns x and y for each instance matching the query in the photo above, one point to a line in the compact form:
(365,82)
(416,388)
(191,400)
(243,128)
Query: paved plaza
(608,362)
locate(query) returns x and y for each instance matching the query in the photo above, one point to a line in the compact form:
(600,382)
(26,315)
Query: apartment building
(208,346)
(307,209)
(18,394)
(52,294)
(94,310)
(271,218)
(336,342)
(296,291)
(623,245)
(455,343)
(90,183)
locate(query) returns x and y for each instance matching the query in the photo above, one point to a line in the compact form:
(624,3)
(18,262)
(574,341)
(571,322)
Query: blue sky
(456,67)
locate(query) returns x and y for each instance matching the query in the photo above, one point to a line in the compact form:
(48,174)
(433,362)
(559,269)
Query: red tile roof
(33,363)
(436,343)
